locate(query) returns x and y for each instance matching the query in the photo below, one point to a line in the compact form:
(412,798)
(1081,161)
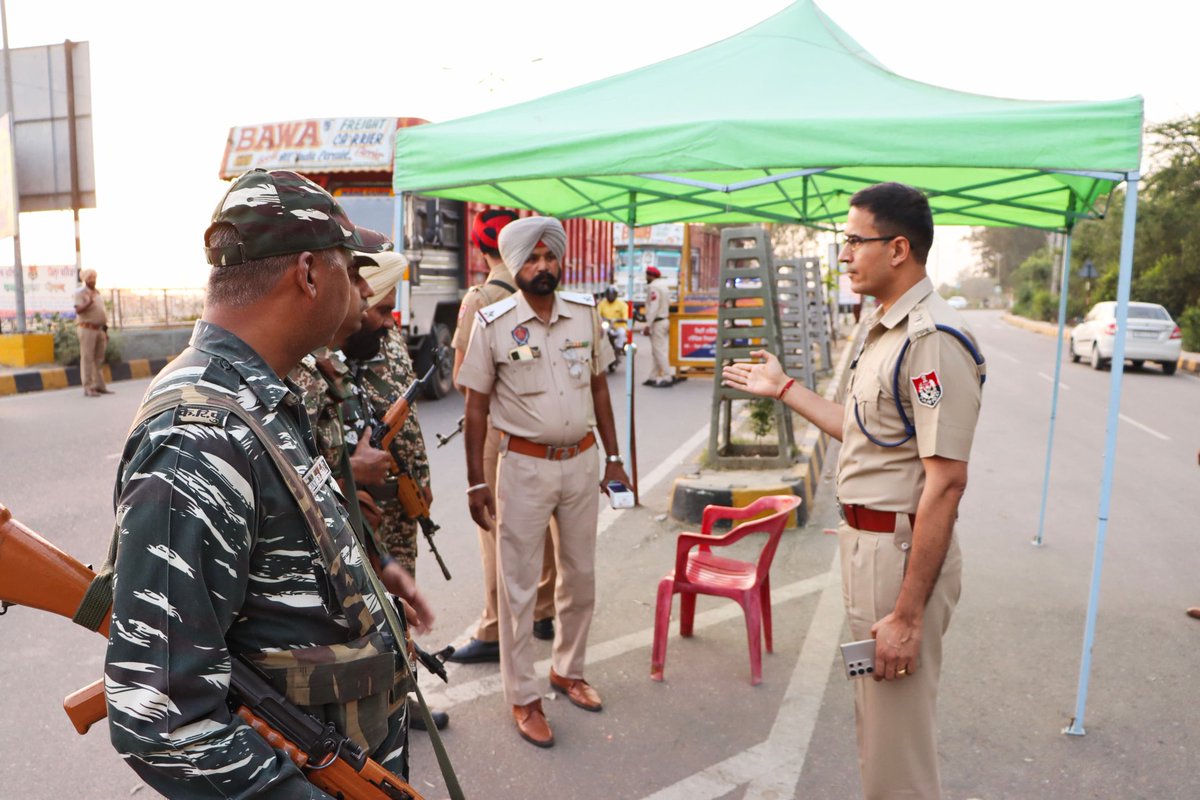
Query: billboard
(340,144)
(49,289)
(52,83)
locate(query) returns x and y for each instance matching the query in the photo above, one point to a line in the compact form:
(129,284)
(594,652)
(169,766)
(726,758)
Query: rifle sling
(97,600)
(507,287)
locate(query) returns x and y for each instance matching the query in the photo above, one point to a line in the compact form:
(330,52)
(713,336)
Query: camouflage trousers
(399,535)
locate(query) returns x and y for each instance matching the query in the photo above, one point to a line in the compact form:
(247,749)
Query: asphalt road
(1012,654)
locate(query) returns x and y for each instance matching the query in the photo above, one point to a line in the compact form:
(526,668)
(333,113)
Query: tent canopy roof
(780,123)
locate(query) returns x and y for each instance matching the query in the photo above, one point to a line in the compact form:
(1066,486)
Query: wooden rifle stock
(37,574)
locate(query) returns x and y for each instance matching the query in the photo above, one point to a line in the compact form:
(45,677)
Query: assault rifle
(383,437)
(35,573)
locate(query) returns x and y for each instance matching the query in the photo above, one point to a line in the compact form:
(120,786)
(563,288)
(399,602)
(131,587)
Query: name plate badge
(318,475)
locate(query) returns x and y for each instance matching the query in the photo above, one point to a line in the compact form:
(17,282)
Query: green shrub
(1189,324)
(1043,306)
(762,416)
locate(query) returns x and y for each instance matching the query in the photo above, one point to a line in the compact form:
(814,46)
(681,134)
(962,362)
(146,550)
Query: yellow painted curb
(8,384)
(54,378)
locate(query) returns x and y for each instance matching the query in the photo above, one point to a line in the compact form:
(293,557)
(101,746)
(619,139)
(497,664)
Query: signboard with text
(48,290)
(313,145)
(694,341)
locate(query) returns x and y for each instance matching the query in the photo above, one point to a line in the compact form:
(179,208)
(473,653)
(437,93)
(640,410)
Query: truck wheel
(442,382)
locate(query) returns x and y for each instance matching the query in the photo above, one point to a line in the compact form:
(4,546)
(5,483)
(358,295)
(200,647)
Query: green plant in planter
(762,417)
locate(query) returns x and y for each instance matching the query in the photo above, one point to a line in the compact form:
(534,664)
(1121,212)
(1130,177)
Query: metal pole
(630,347)
(72,143)
(1110,445)
(18,267)
(1062,322)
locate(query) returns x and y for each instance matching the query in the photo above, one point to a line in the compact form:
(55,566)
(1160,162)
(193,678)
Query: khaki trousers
(488,629)
(896,720)
(91,358)
(659,347)
(532,491)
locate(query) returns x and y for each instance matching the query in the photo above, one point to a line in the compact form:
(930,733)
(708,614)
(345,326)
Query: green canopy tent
(783,123)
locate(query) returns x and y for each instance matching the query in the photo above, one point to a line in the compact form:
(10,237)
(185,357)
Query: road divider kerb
(51,378)
(1188,362)
(691,493)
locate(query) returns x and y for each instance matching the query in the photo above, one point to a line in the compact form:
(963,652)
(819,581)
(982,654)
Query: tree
(1002,250)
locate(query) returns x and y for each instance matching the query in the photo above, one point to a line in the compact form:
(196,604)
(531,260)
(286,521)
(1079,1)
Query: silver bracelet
(476,487)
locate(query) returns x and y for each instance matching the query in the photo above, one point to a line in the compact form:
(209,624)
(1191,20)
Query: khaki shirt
(939,389)
(539,375)
(658,304)
(476,298)
(94,314)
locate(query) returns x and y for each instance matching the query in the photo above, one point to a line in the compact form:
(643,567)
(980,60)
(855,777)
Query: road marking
(112,456)
(996,351)
(1051,380)
(1146,428)
(609,515)
(449,696)
(772,767)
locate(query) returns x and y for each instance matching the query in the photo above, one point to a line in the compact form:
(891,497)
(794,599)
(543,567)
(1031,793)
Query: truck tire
(442,382)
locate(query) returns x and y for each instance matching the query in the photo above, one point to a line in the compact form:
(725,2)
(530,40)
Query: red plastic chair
(702,572)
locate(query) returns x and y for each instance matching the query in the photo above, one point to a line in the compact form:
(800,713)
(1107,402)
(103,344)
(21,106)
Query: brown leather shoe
(577,690)
(1194,612)
(532,725)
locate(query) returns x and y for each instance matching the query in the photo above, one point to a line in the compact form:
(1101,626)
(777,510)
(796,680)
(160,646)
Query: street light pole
(18,268)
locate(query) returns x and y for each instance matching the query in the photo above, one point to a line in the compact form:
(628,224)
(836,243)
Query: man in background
(91,323)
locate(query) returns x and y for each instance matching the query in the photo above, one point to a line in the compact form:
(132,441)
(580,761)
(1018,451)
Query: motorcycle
(616,338)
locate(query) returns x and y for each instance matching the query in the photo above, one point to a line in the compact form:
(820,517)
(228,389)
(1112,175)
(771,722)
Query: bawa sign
(312,145)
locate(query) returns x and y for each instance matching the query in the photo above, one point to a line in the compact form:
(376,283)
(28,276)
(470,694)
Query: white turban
(87,273)
(519,237)
(382,271)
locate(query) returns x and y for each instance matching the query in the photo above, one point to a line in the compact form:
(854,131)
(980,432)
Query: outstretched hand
(765,378)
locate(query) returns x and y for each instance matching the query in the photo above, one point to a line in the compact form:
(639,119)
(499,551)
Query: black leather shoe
(476,652)
(417,721)
(544,629)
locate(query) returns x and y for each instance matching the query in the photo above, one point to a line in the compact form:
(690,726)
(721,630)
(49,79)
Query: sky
(170,79)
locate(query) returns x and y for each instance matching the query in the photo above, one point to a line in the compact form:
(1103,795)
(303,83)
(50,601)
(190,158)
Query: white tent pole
(1110,444)
(630,346)
(1063,284)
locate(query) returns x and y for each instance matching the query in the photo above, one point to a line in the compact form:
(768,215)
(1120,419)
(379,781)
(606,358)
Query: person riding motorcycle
(614,314)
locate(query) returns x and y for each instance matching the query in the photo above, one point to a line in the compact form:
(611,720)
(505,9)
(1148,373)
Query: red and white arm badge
(928,388)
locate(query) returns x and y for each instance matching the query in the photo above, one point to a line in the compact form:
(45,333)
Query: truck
(662,246)
(352,158)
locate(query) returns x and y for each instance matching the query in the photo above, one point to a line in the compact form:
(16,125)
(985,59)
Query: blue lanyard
(909,428)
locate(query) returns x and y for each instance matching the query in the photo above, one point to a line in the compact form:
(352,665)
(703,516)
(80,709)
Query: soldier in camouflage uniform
(380,367)
(216,559)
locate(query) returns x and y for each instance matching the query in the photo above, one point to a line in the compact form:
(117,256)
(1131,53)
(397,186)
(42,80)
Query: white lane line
(609,515)
(1146,428)
(446,697)
(772,767)
(112,456)
(992,350)
(1051,380)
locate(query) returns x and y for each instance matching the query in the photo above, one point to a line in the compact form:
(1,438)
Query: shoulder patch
(488,314)
(200,415)
(582,298)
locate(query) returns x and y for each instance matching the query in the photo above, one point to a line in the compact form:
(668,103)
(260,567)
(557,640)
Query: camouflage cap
(281,212)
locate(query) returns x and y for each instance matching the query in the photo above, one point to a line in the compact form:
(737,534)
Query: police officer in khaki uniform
(906,430)
(658,328)
(537,365)
(485,644)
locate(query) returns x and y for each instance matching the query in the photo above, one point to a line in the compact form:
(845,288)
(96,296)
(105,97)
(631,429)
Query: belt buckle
(557,453)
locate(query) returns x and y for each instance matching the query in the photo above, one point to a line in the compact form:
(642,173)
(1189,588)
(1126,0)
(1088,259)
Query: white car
(1151,335)
(957,301)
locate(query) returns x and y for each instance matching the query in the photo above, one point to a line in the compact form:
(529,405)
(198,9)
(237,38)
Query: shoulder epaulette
(488,314)
(583,298)
(920,322)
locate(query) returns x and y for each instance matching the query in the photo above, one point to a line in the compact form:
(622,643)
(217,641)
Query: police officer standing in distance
(537,365)
(218,556)
(906,429)
(658,328)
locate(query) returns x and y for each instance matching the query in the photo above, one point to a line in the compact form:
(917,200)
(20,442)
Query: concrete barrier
(48,378)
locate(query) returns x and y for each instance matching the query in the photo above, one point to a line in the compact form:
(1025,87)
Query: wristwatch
(615,460)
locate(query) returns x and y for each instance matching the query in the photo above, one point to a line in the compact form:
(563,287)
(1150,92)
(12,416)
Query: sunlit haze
(170,79)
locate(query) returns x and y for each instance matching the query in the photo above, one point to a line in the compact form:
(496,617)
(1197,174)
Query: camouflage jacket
(215,559)
(321,401)
(380,381)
